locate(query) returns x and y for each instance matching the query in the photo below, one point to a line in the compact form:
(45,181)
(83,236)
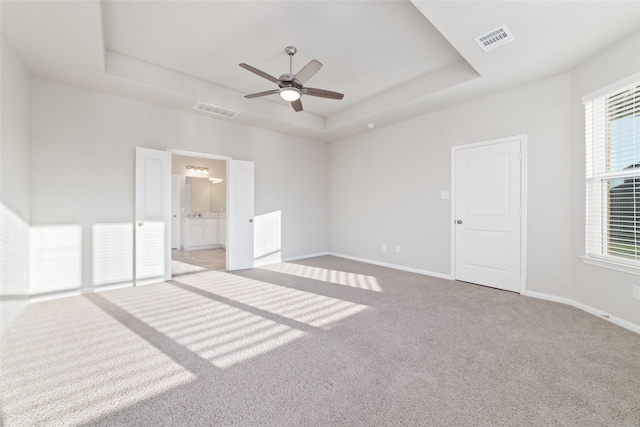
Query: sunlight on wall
(14,265)
(267,237)
(150,251)
(80,365)
(112,253)
(353,280)
(56,258)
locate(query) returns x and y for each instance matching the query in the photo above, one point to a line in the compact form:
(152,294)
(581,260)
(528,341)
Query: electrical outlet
(397,249)
(636,292)
(384,246)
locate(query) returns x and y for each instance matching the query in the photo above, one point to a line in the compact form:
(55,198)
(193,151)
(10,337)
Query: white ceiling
(392,59)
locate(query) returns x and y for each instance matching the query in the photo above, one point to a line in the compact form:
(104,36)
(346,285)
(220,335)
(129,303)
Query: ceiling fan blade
(259,72)
(322,93)
(297,105)
(308,71)
(265,93)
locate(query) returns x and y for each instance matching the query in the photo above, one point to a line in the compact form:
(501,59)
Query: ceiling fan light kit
(290,93)
(291,86)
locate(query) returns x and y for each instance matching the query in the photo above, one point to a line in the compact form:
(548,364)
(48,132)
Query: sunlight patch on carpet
(109,367)
(227,319)
(179,267)
(353,280)
(304,307)
(211,330)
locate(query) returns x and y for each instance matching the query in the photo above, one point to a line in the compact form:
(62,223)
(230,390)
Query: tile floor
(183,262)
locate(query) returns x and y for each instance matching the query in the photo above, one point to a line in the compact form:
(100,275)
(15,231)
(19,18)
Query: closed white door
(153,216)
(240,215)
(487,216)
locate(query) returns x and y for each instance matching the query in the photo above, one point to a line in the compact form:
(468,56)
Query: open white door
(153,216)
(240,215)
(487,215)
(176,214)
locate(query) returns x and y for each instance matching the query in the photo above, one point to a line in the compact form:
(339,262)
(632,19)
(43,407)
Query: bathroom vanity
(205,232)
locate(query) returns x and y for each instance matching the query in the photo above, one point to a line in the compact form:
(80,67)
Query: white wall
(82,175)
(608,290)
(385,185)
(15,89)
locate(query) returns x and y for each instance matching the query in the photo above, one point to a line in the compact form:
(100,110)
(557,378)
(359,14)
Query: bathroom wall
(216,197)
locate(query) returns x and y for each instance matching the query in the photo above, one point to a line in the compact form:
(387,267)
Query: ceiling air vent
(215,109)
(495,38)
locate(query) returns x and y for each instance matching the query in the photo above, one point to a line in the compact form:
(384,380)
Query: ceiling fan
(291,85)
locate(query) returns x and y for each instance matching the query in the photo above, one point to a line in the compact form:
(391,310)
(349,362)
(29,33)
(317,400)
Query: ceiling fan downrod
(291,50)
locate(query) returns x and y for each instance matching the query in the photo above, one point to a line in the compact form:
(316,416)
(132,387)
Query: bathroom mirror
(201,195)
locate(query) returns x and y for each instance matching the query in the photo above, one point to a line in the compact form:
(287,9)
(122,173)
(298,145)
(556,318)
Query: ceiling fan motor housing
(287,77)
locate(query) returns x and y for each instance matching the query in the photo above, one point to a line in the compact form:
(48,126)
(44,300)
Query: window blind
(613,174)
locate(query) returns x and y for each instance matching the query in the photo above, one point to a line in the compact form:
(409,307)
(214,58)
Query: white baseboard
(76,292)
(394,266)
(584,307)
(296,258)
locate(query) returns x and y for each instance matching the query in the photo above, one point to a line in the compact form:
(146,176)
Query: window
(613,176)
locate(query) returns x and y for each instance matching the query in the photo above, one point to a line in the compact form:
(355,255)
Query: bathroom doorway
(198,214)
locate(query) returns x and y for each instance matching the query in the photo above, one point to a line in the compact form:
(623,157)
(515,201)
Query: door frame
(227,160)
(523,201)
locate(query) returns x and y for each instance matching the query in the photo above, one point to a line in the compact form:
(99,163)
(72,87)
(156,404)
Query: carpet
(318,342)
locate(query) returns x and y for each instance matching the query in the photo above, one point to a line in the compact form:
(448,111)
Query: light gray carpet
(321,342)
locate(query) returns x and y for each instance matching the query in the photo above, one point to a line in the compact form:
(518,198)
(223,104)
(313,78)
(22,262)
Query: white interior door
(176,215)
(153,216)
(240,215)
(487,217)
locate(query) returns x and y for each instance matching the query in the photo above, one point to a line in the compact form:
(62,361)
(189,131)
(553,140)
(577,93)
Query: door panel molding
(152,235)
(455,152)
(240,218)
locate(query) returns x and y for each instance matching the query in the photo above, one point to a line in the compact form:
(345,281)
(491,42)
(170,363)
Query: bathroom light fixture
(289,93)
(197,169)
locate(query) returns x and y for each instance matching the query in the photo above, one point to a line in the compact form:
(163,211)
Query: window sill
(632,268)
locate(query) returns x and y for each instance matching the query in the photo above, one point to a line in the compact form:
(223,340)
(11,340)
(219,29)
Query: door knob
(140,224)
(251,220)
(459,221)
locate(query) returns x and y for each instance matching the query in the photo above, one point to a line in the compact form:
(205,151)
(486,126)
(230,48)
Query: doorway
(152,235)
(488,213)
(199,214)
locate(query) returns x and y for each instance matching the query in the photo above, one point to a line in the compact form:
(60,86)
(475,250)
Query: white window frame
(594,178)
